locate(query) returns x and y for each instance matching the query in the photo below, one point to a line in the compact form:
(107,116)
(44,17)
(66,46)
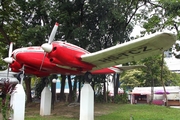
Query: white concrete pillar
(45,105)
(87,103)
(17,103)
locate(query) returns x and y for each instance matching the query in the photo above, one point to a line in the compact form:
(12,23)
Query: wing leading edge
(131,51)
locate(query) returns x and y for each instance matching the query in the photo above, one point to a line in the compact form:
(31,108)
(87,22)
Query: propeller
(47,47)
(9,59)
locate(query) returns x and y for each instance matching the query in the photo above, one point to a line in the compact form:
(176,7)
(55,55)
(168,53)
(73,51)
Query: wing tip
(169,34)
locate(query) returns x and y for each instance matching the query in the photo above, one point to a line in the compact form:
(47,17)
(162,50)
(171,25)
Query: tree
(131,79)
(173,80)
(40,86)
(150,75)
(9,27)
(9,21)
(159,16)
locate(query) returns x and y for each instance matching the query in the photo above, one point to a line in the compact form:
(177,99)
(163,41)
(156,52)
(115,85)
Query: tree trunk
(92,85)
(116,83)
(28,89)
(62,95)
(104,91)
(152,91)
(70,96)
(53,91)
(4,35)
(78,100)
(75,89)
(165,95)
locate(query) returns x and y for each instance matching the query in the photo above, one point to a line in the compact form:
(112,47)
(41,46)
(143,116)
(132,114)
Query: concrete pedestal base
(87,103)
(18,103)
(45,106)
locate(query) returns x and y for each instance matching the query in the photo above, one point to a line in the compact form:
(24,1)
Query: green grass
(142,112)
(123,112)
(49,118)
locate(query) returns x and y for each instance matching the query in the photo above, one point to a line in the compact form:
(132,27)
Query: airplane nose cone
(47,47)
(8,60)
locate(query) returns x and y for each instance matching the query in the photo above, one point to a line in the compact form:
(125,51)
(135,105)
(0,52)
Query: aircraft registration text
(131,52)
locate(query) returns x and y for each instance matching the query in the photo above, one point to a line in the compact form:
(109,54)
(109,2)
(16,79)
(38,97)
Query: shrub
(6,109)
(99,98)
(122,98)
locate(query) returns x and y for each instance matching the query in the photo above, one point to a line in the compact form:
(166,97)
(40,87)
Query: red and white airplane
(59,57)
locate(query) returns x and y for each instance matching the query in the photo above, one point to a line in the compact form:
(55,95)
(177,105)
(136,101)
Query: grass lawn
(108,111)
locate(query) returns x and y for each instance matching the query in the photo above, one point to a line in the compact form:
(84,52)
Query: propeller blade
(42,62)
(10,49)
(9,59)
(53,33)
(47,47)
(8,73)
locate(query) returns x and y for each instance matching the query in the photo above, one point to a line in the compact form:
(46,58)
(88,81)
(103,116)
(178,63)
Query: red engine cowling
(66,54)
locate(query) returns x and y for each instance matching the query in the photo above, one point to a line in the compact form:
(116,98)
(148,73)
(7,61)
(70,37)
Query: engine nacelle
(66,54)
(56,61)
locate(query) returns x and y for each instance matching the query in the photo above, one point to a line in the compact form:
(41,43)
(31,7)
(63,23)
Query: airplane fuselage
(63,59)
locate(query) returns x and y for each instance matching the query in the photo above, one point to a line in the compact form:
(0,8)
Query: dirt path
(63,109)
(1,116)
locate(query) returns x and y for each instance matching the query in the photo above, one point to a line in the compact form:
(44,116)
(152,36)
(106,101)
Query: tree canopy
(150,75)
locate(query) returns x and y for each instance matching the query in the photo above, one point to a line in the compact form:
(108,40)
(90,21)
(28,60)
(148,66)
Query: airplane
(60,57)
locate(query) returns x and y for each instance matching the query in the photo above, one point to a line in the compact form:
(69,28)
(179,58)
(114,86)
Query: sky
(172,62)
(136,31)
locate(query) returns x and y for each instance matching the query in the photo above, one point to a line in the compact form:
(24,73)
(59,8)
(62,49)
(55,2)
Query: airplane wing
(131,51)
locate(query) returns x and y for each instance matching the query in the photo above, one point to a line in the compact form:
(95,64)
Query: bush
(122,98)
(6,109)
(99,98)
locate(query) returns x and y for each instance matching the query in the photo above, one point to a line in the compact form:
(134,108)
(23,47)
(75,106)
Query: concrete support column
(87,103)
(45,106)
(17,103)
